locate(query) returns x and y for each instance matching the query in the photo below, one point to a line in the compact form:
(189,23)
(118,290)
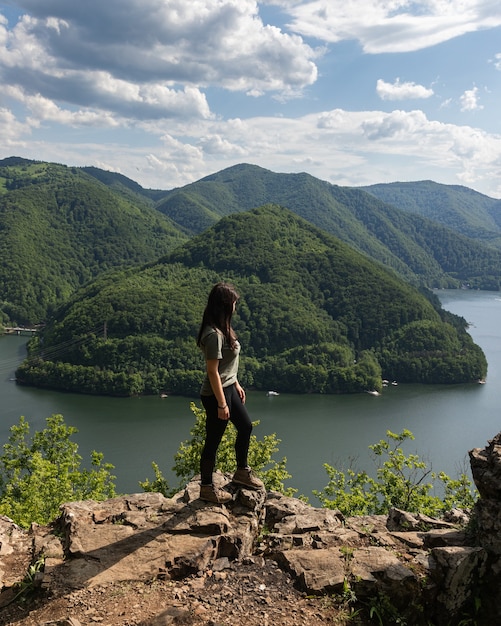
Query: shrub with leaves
(402,481)
(187,459)
(40,473)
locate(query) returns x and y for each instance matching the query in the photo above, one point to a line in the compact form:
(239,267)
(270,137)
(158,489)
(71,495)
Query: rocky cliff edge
(263,559)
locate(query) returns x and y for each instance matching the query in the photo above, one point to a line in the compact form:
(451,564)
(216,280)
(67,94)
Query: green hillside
(461,209)
(60,227)
(419,249)
(315,316)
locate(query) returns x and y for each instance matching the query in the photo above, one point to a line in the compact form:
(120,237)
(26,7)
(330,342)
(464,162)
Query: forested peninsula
(314,316)
(335,283)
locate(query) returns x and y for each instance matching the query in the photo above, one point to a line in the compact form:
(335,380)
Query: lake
(446,421)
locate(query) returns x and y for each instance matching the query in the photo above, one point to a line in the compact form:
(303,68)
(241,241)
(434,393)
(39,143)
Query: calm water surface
(447,421)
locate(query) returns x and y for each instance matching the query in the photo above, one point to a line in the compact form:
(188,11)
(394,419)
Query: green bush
(187,459)
(37,475)
(404,482)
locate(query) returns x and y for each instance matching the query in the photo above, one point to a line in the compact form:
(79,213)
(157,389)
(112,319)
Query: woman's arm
(240,391)
(212,366)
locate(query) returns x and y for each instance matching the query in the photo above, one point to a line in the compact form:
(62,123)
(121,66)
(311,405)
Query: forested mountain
(462,209)
(314,316)
(419,249)
(60,227)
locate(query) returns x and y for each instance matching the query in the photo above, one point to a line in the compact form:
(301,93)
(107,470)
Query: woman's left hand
(241,392)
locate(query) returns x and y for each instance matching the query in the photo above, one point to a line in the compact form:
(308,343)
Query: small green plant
(473,619)
(348,594)
(30,581)
(384,612)
(344,604)
(263,533)
(159,485)
(347,552)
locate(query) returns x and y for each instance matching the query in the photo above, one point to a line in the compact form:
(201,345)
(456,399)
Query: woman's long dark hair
(218,312)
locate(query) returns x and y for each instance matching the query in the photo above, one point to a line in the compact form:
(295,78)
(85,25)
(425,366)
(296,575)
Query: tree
(37,475)
(187,459)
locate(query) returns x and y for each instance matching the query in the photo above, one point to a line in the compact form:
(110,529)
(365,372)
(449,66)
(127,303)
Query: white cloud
(391,25)
(20,49)
(11,129)
(343,147)
(393,125)
(497,61)
(219,145)
(44,110)
(401,91)
(94,53)
(469,100)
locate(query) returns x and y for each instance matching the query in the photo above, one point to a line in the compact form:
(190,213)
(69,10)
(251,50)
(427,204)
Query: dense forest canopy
(459,208)
(59,228)
(315,316)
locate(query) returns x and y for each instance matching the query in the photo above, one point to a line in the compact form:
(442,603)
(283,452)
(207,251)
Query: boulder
(316,571)
(16,552)
(458,572)
(486,471)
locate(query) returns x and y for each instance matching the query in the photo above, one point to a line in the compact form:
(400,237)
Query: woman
(222,396)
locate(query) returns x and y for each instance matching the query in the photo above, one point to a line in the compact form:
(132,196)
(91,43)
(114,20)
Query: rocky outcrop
(486,470)
(423,570)
(144,536)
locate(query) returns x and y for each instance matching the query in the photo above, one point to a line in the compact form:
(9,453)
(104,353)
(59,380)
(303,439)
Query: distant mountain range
(434,252)
(459,208)
(62,226)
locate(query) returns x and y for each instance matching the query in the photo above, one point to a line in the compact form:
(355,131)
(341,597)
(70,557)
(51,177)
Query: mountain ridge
(60,227)
(469,212)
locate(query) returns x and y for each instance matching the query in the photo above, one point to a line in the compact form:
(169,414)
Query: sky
(354,92)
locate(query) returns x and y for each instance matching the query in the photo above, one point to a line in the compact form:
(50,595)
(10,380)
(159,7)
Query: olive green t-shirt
(214,346)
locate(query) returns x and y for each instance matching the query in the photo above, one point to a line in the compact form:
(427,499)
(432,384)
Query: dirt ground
(257,593)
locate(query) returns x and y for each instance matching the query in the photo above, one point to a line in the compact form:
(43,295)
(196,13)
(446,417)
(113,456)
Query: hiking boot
(245,476)
(209,493)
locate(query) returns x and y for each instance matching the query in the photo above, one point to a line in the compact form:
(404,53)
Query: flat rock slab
(317,571)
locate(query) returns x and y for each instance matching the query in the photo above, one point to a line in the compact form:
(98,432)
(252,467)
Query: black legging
(214,431)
